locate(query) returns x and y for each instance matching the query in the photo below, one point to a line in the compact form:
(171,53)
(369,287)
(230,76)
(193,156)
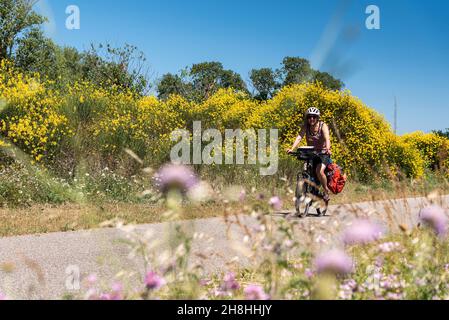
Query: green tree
(298,70)
(37,53)
(231,79)
(22,41)
(295,70)
(328,80)
(200,81)
(264,82)
(208,77)
(170,84)
(442,133)
(69,64)
(124,67)
(16,18)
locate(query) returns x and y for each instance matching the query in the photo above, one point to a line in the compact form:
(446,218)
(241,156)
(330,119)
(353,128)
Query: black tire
(321,210)
(306,210)
(321,213)
(302,208)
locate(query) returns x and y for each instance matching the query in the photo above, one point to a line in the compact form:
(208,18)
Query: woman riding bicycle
(317,135)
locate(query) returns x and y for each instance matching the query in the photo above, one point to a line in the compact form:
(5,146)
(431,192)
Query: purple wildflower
(350,284)
(255,292)
(153,281)
(388,247)
(335,262)
(204,282)
(105,296)
(379,262)
(395,296)
(362,231)
(421,282)
(309,273)
(276,203)
(116,293)
(347,289)
(391,282)
(92,294)
(242,195)
(92,279)
(229,283)
(435,218)
(175,177)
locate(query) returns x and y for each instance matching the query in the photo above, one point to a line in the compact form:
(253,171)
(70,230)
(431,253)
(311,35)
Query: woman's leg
(322,177)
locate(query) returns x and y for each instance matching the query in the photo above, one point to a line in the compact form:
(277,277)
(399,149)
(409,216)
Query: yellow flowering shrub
(433,148)
(405,160)
(39,119)
(31,117)
(182,108)
(143,124)
(226,109)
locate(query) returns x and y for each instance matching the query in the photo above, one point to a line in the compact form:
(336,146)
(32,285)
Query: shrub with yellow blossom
(142,124)
(226,109)
(31,117)
(37,118)
(434,149)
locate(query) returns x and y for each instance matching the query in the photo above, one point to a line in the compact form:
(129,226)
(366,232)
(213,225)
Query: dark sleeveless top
(317,141)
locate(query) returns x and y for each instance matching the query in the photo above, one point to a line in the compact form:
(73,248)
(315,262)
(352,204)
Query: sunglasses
(312,117)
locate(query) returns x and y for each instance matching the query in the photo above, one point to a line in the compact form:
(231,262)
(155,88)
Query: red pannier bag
(336,180)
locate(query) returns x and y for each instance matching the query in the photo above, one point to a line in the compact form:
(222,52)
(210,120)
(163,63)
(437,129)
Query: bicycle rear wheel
(322,206)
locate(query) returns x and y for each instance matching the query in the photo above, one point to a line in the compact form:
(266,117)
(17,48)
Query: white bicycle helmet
(313,112)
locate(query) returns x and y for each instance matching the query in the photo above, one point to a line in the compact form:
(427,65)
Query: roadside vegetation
(368,255)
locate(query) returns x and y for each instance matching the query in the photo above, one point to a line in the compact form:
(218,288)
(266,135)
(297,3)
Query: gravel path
(43,266)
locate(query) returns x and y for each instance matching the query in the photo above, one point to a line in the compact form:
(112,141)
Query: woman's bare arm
(298,140)
(327,138)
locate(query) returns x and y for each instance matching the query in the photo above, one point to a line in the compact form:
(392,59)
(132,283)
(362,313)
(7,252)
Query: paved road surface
(43,265)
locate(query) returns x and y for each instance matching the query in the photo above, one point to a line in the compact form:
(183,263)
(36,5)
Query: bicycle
(307,184)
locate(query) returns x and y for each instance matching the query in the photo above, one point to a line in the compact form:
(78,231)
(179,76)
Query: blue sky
(407,58)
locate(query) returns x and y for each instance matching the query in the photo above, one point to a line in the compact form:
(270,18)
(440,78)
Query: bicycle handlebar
(298,153)
(303,155)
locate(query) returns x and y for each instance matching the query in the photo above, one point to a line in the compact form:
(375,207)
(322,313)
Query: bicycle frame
(307,185)
(308,172)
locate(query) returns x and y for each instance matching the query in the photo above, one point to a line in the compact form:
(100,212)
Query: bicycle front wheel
(302,203)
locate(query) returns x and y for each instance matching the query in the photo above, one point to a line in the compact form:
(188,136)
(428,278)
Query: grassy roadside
(39,219)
